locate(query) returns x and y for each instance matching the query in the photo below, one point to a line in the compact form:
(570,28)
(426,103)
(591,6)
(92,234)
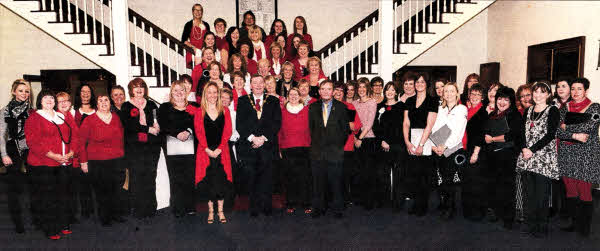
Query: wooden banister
(350,33)
(155,29)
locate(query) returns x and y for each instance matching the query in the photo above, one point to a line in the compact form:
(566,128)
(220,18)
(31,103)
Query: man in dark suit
(258,121)
(329,129)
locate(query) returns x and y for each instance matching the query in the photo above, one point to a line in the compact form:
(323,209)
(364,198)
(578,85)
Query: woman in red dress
(193,32)
(247,52)
(212,125)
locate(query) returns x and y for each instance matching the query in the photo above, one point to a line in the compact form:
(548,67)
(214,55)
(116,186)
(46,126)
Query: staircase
(100,31)
(415,25)
(88,28)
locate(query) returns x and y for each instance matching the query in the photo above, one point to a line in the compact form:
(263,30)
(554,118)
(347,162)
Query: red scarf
(578,107)
(236,96)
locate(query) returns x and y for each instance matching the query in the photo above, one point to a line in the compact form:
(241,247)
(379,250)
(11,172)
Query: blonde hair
(24,82)
(255,28)
(302,82)
(276,45)
(314,59)
(444,103)
(264,61)
(180,83)
(204,101)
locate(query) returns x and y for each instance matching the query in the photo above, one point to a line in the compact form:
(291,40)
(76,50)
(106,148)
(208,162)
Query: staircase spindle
(94,38)
(135,55)
(112,34)
(76,17)
(85,28)
(60,17)
(152,70)
(177,60)
(51,5)
(373,40)
(143,35)
(102,38)
(69,11)
(160,56)
(169,60)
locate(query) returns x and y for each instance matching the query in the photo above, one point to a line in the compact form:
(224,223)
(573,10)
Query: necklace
(258,111)
(197,35)
(534,118)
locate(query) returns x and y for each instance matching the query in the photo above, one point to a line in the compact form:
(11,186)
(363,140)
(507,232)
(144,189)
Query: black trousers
(350,185)
(419,172)
(80,190)
(473,192)
(50,197)
(142,161)
(388,168)
(182,169)
(17,181)
(327,174)
(399,176)
(107,176)
(259,174)
(449,167)
(297,172)
(501,186)
(367,154)
(537,187)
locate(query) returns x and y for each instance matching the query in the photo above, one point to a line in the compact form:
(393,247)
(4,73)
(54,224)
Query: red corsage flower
(135,112)
(388,108)
(191,110)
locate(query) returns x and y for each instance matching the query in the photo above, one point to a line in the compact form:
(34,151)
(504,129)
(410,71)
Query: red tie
(257,105)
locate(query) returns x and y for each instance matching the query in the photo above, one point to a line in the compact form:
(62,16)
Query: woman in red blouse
(300,28)
(277,59)
(292,48)
(238,88)
(294,140)
(220,34)
(277,28)
(247,52)
(51,142)
(301,61)
(212,125)
(315,75)
(101,155)
(208,55)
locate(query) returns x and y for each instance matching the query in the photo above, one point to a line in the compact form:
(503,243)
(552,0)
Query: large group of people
(365,143)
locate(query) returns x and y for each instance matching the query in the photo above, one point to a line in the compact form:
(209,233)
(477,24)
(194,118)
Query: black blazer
(132,125)
(327,143)
(247,123)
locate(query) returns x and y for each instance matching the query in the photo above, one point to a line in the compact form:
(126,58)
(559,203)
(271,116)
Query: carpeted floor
(359,230)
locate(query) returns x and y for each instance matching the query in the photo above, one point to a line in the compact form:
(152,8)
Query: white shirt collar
(58,118)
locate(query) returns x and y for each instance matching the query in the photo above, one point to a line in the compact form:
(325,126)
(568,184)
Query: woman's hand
(563,126)
(410,148)
(489,139)
(581,137)
(6,161)
(84,167)
(474,158)
(527,153)
(217,152)
(385,146)
(357,143)
(183,136)
(419,151)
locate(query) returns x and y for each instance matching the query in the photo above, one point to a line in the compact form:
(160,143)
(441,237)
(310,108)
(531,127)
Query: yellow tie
(325,114)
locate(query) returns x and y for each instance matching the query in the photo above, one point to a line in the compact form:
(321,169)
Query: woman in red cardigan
(50,140)
(101,157)
(301,61)
(212,125)
(294,140)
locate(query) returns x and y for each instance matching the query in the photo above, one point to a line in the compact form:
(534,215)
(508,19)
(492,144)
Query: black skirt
(215,185)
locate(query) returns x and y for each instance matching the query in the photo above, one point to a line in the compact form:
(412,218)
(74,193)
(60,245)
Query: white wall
(326,19)
(465,48)
(24,49)
(515,25)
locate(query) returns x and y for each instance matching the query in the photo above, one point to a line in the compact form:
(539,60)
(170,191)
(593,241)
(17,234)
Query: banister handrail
(349,32)
(163,33)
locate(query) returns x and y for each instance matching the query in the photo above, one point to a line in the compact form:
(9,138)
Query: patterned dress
(543,161)
(580,160)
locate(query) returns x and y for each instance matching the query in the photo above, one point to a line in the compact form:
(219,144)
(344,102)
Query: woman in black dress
(419,117)
(212,123)
(177,124)
(504,141)
(473,179)
(13,146)
(142,148)
(388,130)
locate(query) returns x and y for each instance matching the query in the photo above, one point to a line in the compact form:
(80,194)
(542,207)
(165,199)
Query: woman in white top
(255,36)
(453,116)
